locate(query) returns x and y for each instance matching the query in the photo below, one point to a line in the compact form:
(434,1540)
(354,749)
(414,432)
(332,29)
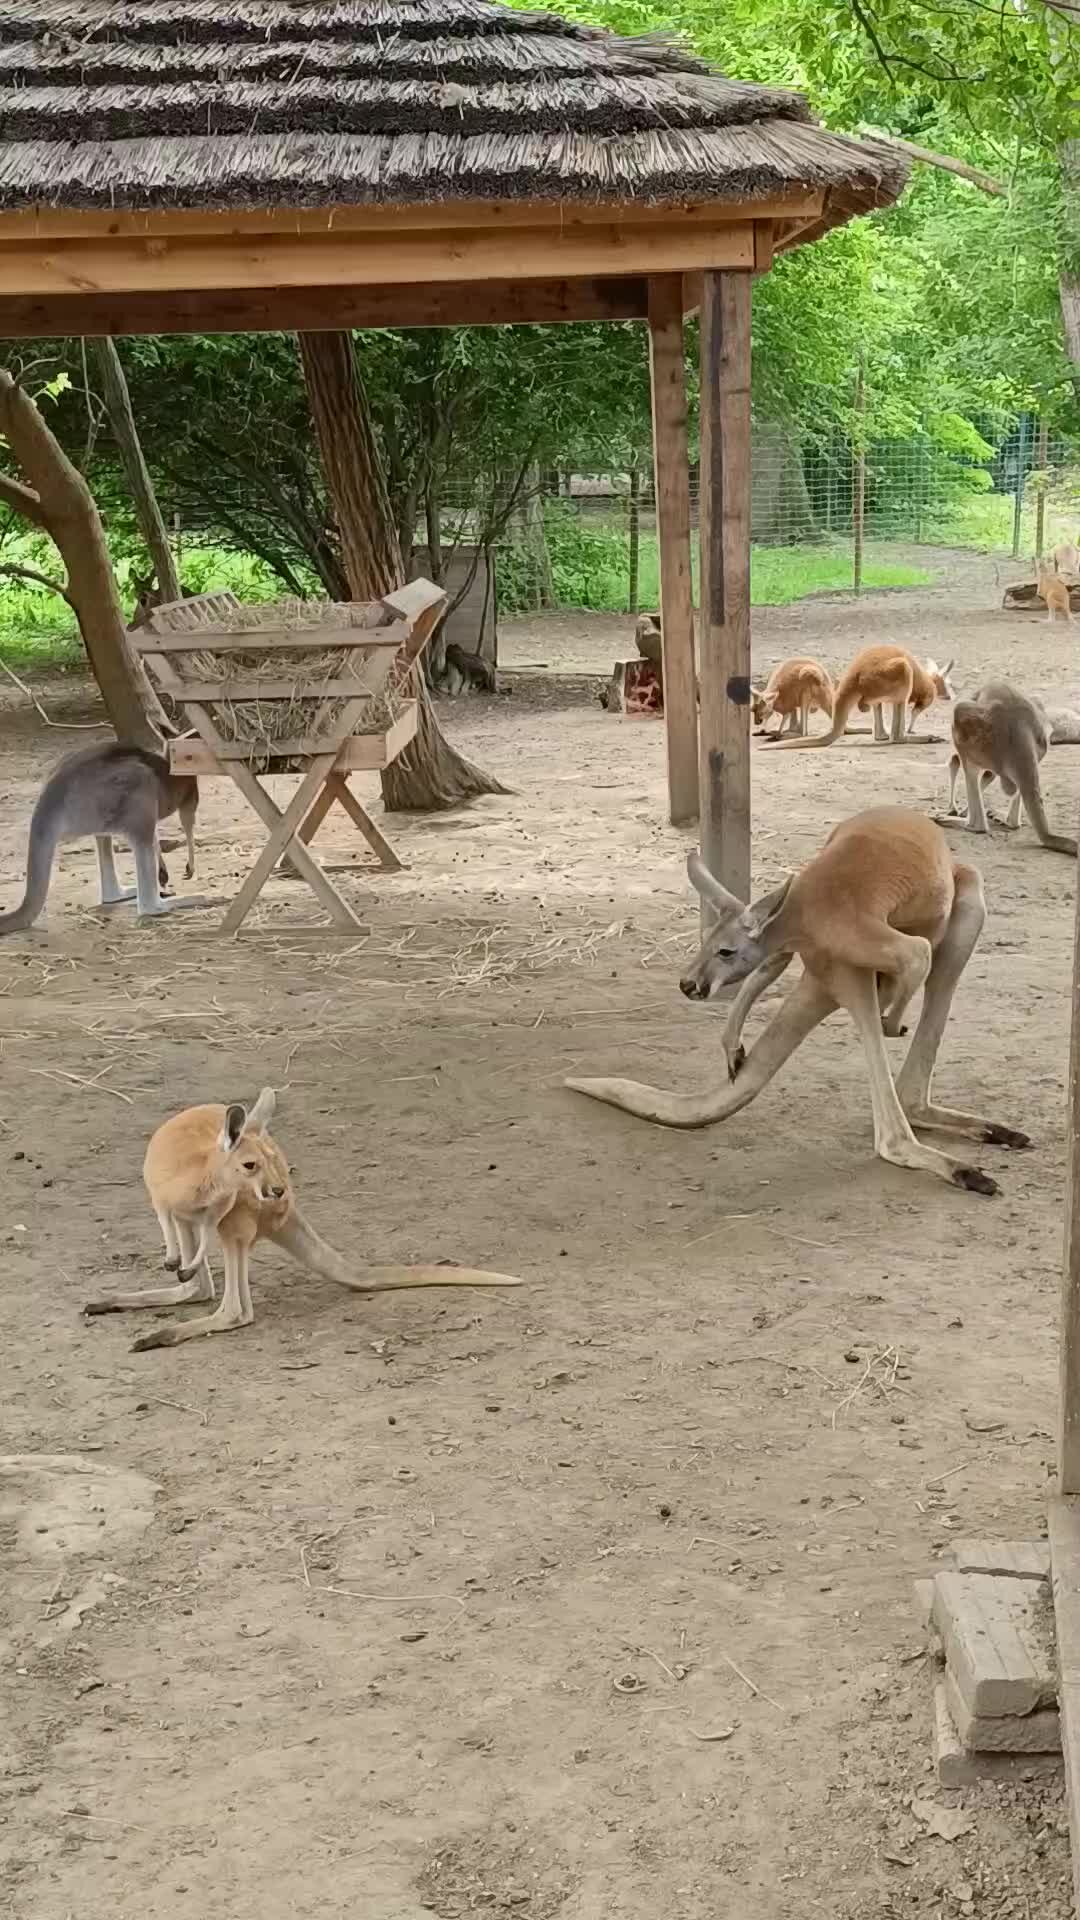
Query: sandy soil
(327,1617)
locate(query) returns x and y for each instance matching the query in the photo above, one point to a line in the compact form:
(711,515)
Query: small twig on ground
(95,1086)
(664,1668)
(63,726)
(303,1566)
(181,1406)
(747,1682)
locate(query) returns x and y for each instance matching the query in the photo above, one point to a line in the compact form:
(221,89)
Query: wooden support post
(724,624)
(858,479)
(671,458)
(1069,1408)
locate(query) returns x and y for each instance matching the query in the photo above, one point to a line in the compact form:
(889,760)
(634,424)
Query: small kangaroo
(881,911)
(107,790)
(1053,590)
(794,690)
(1002,735)
(1064,724)
(179,1165)
(878,677)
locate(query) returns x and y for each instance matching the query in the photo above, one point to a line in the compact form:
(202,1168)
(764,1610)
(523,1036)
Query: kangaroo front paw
(997,1136)
(974,1180)
(187,1273)
(736,1060)
(171,1263)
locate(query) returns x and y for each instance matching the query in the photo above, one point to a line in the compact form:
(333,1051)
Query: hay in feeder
(307,714)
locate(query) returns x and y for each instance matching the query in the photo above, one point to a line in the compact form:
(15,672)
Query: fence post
(858,515)
(1042,454)
(1018,501)
(633,594)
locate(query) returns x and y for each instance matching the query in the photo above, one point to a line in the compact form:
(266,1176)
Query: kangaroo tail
(313,1252)
(1027,779)
(846,698)
(40,853)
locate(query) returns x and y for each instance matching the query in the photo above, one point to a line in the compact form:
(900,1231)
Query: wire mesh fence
(826,515)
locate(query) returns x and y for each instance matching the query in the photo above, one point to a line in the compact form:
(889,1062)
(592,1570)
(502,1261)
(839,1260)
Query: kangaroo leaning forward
(880,677)
(881,911)
(193,1162)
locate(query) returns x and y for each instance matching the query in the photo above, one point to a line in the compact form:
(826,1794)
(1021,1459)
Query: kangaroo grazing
(879,677)
(190,1161)
(1064,724)
(1053,590)
(1002,735)
(107,790)
(794,690)
(881,911)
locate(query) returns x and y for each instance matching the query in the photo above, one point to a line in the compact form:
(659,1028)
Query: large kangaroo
(182,1164)
(107,790)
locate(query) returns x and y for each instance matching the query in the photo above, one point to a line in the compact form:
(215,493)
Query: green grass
(37,629)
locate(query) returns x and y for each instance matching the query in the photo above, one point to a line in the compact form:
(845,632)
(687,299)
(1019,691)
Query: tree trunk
(57,499)
(430,774)
(126,434)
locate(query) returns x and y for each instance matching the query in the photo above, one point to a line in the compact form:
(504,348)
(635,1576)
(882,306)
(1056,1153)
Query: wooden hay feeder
(293,687)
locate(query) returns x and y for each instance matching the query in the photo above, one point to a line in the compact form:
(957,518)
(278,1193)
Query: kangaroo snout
(692,988)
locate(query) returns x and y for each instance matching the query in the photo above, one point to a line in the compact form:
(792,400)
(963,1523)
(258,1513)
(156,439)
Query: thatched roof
(275,103)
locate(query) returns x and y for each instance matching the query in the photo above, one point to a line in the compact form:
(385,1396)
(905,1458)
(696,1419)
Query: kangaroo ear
(235,1116)
(761,912)
(262,1112)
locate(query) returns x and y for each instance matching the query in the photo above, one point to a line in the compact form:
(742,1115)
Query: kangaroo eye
(250,1166)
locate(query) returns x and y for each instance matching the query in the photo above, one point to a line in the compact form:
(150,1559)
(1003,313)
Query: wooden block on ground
(956,1767)
(1023,1559)
(1038,1732)
(998,1636)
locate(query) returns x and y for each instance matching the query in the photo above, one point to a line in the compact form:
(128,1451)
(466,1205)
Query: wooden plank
(250,640)
(280,837)
(318,309)
(763,245)
(58,223)
(724,624)
(361,753)
(125,264)
(1064,1528)
(362,820)
(256,689)
(671,458)
(1069,1388)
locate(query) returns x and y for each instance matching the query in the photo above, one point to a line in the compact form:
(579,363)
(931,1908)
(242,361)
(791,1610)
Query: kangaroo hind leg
(914,1080)
(893,1138)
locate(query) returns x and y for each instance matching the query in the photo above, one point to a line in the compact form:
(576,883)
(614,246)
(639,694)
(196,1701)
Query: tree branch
(38,580)
(985,181)
(23,499)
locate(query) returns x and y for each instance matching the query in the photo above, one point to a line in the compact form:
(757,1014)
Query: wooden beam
(361,753)
(1069,1387)
(456,254)
(323,309)
(73,223)
(1064,1530)
(724,623)
(671,459)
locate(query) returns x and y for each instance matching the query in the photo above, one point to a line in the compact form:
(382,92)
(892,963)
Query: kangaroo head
(248,1160)
(943,685)
(738,940)
(763,705)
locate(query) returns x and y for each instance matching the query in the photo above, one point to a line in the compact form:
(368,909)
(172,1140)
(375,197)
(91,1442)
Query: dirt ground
(591,1599)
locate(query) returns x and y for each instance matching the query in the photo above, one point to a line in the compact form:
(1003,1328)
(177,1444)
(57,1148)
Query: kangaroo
(881,911)
(1064,724)
(1002,735)
(794,690)
(1066,558)
(1053,590)
(103,791)
(649,638)
(880,676)
(463,669)
(183,1160)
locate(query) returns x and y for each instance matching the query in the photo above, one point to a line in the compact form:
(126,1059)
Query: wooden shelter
(227,165)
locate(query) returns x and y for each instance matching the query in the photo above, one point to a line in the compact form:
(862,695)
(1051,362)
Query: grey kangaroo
(101,791)
(1001,734)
